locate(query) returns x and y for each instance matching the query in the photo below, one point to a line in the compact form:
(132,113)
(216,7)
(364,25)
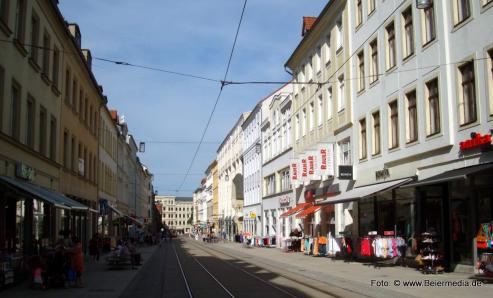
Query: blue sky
(190,36)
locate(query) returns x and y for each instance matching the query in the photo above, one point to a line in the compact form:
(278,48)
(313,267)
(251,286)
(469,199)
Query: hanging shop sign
(252,215)
(325,159)
(346,172)
(284,200)
(294,172)
(311,158)
(24,171)
(304,168)
(382,174)
(477,140)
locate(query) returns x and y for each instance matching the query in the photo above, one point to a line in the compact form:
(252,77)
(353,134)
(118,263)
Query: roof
(186,199)
(114,115)
(307,24)
(239,122)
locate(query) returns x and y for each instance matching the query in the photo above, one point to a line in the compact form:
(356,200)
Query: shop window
(461,221)
(405,210)
(385,213)
(366,216)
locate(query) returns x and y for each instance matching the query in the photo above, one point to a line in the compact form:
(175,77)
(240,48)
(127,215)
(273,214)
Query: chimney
(74,30)
(307,24)
(88,56)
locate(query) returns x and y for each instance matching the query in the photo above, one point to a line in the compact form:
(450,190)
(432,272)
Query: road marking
(183,273)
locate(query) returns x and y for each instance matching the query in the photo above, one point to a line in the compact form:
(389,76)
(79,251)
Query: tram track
(217,254)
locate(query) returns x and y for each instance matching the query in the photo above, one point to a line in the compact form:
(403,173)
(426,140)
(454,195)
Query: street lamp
(423,4)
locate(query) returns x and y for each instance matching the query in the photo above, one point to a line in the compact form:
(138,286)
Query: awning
(115,210)
(308,211)
(295,209)
(456,174)
(365,191)
(37,192)
(135,220)
(74,205)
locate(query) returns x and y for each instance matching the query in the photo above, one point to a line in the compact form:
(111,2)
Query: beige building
(176,213)
(322,109)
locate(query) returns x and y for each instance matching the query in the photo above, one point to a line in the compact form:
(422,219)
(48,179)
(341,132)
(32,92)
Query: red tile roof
(307,24)
(114,115)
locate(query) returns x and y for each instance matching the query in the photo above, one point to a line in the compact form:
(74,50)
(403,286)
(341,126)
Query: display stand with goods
(432,258)
(484,243)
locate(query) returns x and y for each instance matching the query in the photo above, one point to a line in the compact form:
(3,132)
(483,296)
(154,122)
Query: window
(285,180)
(341,101)
(371,6)
(309,70)
(15,112)
(327,50)
(67,86)
(42,131)
(46,54)
(463,10)
(2,90)
(65,149)
(316,60)
(486,2)
(359,12)
(320,110)
(90,118)
(73,103)
(376,133)
(412,117)
(408,38)
(303,122)
(340,34)
(467,99)
(56,66)
(270,184)
(312,116)
(489,84)
(53,138)
(33,47)
(433,108)
(429,33)
(391,52)
(4,11)
(30,122)
(345,153)
(329,103)
(361,71)
(362,136)
(73,156)
(374,61)
(20,19)
(394,125)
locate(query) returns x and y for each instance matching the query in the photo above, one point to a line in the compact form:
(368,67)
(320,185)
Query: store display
(484,243)
(430,256)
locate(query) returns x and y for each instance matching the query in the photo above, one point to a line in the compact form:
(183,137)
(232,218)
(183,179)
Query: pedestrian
(93,247)
(77,261)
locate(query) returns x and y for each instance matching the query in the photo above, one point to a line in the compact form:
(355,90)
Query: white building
(176,213)
(277,194)
(230,192)
(252,166)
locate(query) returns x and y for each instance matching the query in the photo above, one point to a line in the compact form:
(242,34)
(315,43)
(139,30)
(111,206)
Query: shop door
(461,231)
(432,215)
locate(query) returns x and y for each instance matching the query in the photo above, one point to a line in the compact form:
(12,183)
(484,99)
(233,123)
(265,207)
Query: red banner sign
(477,140)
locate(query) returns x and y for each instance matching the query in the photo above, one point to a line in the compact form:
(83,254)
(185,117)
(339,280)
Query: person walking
(77,261)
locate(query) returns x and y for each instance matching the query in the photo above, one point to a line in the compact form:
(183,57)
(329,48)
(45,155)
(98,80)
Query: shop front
(251,220)
(277,227)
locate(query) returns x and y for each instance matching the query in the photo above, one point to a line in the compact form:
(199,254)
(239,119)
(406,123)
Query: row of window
(281,178)
(179,215)
(467,111)
(108,139)
(77,158)
(77,99)
(107,179)
(30,123)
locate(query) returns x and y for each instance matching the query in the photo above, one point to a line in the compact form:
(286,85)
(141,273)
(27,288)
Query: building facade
(230,175)
(176,213)
(277,194)
(322,118)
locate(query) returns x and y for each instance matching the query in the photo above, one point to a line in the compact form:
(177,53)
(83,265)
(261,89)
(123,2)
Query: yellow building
(215,197)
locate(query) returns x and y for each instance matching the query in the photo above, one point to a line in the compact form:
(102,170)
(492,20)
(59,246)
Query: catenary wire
(218,96)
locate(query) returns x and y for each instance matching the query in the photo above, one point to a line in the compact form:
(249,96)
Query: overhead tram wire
(218,95)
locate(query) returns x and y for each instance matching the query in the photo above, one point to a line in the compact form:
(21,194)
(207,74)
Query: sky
(194,37)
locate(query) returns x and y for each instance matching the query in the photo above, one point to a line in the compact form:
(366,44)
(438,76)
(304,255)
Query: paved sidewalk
(356,276)
(99,281)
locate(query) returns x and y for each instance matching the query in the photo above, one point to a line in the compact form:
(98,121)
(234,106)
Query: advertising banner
(303,168)
(295,172)
(312,161)
(325,158)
